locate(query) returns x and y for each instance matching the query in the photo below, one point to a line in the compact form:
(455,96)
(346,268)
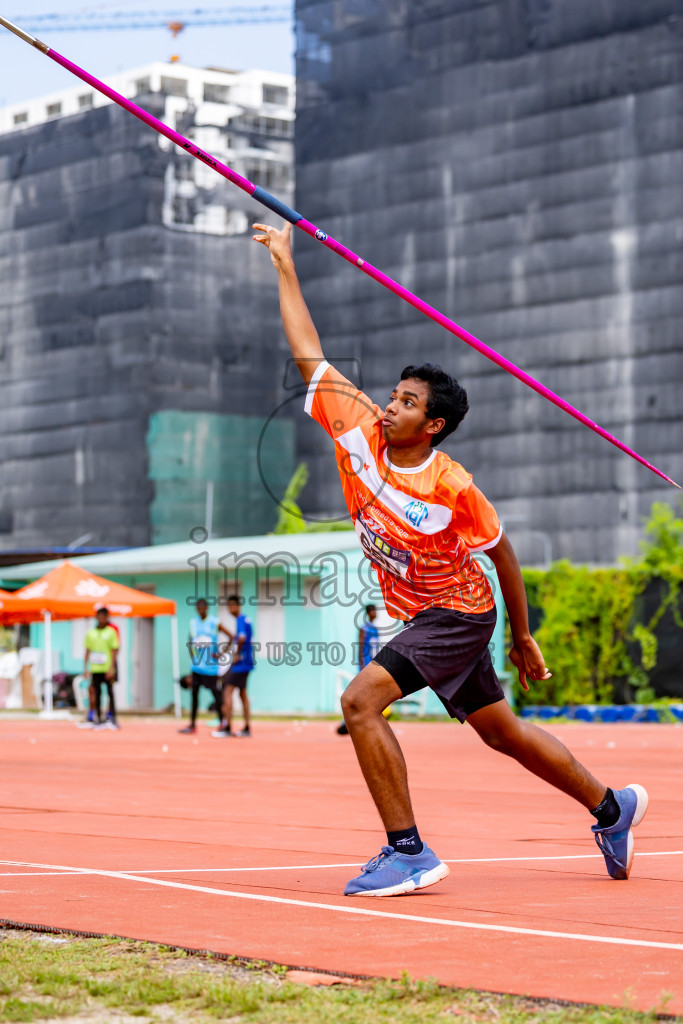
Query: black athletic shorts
(97,678)
(203,679)
(238,679)
(448,652)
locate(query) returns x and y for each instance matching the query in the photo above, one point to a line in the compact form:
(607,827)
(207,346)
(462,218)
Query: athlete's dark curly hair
(447,398)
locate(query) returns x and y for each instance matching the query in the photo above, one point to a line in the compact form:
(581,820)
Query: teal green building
(305,594)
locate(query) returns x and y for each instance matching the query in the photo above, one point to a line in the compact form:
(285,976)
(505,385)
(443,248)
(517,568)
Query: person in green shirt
(101,652)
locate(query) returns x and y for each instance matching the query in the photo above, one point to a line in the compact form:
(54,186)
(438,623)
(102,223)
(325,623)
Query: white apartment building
(243,118)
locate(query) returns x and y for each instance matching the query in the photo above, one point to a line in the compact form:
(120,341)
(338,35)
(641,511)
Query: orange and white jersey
(419,527)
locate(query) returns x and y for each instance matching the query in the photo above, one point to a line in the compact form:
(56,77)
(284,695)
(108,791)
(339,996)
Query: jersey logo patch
(415,512)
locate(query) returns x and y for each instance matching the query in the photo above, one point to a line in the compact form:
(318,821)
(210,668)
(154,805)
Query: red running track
(243,847)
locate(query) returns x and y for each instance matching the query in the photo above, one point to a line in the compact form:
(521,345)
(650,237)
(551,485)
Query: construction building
(137,319)
(517,164)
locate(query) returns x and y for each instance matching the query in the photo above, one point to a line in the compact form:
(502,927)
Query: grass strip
(45,977)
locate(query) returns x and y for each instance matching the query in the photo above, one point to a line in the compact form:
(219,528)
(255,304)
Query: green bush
(290,517)
(590,632)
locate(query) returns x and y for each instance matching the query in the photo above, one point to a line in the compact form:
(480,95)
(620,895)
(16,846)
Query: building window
(174,86)
(255,172)
(184,121)
(183,210)
(143,85)
(276,94)
(236,222)
(267,173)
(21,118)
(216,93)
(86,101)
(184,170)
(53,109)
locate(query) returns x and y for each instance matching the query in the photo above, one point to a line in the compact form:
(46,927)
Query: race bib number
(98,659)
(380,551)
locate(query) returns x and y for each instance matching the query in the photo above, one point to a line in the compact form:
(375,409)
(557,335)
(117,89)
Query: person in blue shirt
(368,636)
(237,676)
(205,652)
(368,646)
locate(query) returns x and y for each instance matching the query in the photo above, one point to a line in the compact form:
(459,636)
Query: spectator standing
(101,654)
(91,716)
(238,674)
(368,637)
(229,624)
(204,650)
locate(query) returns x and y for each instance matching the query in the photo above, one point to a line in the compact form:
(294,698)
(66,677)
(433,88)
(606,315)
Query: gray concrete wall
(518,164)
(105,318)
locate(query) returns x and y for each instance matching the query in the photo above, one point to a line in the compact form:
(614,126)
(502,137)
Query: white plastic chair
(80,686)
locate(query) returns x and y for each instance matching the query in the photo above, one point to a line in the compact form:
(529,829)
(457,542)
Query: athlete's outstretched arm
(300,330)
(525,654)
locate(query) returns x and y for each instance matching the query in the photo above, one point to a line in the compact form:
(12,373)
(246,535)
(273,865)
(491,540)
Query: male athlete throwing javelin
(420,519)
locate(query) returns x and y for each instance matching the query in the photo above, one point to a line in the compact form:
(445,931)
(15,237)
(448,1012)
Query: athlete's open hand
(528,660)
(277,242)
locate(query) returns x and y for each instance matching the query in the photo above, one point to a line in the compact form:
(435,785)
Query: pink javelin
(275,204)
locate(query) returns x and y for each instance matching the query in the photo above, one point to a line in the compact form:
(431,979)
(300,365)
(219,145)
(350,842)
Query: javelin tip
(660,473)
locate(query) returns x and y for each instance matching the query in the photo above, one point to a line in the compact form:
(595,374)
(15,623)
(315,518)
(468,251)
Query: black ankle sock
(608,811)
(407,841)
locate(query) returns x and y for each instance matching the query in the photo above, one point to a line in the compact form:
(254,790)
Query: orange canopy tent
(70,592)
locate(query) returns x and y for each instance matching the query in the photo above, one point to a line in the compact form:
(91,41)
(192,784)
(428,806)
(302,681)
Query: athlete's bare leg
(537,751)
(245,707)
(379,755)
(226,708)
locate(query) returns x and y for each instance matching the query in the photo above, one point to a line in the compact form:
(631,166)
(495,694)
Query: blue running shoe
(616,842)
(392,873)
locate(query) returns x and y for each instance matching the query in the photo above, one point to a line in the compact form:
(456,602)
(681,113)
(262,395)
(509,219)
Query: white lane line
(463,860)
(168,871)
(571,856)
(39,874)
(610,940)
(317,867)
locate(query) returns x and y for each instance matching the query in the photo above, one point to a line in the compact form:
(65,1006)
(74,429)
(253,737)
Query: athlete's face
(405,420)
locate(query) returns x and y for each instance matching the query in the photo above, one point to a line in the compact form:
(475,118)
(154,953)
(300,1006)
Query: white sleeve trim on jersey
(313,384)
(489,543)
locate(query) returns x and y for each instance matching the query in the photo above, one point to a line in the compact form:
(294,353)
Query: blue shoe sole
(409,885)
(641,807)
(611,840)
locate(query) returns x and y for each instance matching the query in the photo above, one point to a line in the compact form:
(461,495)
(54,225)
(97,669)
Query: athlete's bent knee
(355,707)
(505,741)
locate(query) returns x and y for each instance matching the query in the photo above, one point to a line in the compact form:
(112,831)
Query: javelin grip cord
(287,213)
